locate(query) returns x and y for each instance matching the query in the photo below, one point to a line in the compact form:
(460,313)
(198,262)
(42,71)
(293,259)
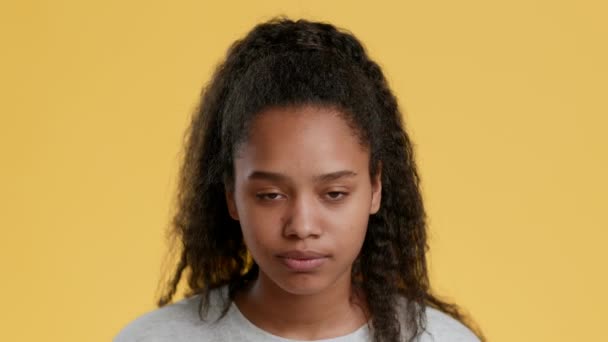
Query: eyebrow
(279,177)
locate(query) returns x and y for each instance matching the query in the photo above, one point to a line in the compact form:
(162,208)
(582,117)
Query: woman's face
(303,196)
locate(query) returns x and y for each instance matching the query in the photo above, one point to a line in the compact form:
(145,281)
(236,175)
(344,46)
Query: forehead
(301,141)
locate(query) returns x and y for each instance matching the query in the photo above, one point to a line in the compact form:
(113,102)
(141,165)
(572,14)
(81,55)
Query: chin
(303,284)
(301,289)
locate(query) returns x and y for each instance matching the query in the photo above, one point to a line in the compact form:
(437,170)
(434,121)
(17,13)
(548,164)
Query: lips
(302,255)
(302,261)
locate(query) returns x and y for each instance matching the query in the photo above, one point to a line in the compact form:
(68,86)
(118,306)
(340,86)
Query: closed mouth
(303,261)
(302,255)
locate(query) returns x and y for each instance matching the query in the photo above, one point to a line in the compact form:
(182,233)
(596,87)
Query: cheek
(259,225)
(352,235)
(350,227)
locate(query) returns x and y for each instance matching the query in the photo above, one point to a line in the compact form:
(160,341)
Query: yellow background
(505,100)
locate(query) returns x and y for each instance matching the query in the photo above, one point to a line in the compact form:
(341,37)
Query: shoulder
(441,327)
(173,322)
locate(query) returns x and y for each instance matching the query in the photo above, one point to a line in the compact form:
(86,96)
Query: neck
(335,311)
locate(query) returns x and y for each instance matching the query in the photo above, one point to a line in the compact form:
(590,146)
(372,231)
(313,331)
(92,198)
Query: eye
(269,196)
(336,195)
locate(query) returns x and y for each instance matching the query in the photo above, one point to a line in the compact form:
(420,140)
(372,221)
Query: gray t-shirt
(180,322)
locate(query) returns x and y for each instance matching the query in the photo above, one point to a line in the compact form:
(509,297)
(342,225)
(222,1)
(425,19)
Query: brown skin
(283,205)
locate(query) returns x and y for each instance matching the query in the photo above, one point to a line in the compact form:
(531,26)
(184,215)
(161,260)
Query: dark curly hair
(290,63)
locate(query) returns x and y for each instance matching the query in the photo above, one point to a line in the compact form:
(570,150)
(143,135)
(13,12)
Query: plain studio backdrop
(505,102)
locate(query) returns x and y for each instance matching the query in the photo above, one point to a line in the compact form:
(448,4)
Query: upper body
(299,192)
(180,322)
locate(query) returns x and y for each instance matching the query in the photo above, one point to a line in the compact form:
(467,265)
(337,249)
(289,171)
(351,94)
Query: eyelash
(264,196)
(341,193)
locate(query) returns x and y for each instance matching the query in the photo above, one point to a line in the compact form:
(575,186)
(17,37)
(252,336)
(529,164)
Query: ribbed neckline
(248,328)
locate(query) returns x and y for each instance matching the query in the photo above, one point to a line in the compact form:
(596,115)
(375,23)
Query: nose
(301,219)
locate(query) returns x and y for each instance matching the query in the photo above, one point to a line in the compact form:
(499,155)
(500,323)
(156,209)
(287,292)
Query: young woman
(300,215)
